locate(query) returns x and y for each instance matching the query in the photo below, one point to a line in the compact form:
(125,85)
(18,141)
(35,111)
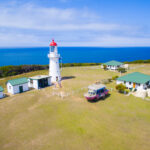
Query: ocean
(20,56)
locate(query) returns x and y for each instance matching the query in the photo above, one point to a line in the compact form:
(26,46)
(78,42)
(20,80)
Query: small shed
(1,92)
(17,85)
(135,80)
(113,65)
(39,81)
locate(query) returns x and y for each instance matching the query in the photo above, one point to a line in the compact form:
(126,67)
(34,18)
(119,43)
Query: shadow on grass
(101,99)
(67,77)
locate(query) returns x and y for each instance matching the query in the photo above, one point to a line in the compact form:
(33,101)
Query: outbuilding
(1,92)
(40,81)
(113,65)
(135,80)
(17,85)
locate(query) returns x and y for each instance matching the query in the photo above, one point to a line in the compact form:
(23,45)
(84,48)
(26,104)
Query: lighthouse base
(55,79)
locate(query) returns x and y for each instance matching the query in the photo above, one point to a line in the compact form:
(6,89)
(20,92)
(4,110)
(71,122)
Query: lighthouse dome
(53,43)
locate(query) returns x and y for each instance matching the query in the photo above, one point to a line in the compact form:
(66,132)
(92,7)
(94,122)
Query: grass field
(43,120)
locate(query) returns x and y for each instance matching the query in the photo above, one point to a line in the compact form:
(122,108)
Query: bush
(109,79)
(122,70)
(126,91)
(121,88)
(114,77)
(105,67)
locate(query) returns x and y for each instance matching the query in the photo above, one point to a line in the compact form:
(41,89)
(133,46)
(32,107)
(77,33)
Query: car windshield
(91,92)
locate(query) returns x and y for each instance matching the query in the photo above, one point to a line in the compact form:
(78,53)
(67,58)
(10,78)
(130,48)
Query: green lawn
(42,120)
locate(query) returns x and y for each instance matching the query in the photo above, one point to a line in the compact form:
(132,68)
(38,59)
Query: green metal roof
(1,89)
(113,63)
(18,81)
(135,77)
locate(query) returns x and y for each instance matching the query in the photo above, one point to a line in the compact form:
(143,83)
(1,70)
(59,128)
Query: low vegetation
(6,71)
(104,67)
(138,61)
(114,77)
(121,70)
(121,88)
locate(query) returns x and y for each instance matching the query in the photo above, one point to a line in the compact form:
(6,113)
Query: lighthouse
(54,68)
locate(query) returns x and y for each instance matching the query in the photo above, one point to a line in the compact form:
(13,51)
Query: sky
(100,23)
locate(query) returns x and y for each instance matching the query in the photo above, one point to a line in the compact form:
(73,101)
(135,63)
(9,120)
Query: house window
(138,84)
(9,87)
(129,83)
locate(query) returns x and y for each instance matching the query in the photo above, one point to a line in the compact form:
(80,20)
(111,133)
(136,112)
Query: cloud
(29,16)
(32,25)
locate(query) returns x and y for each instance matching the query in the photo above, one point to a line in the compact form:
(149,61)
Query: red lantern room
(53,46)
(53,43)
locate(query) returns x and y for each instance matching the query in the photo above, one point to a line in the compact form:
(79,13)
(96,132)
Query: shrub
(126,91)
(105,67)
(114,77)
(122,70)
(109,79)
(121,88)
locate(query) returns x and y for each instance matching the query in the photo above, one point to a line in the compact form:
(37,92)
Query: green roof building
(17,85)
(135,80)
(18,81)
(113,65)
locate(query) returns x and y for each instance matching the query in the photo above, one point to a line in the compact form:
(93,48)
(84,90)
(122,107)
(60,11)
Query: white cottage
(17,85)
(1,92)
(40,81)
(135,80)
(113,65)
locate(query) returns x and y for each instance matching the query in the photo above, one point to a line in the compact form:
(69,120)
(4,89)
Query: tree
(105,67)
(121,88)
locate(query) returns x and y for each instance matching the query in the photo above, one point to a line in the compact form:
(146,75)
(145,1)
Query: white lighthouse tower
(54,69)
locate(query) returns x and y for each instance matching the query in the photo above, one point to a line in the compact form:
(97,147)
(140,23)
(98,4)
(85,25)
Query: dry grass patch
(43,120)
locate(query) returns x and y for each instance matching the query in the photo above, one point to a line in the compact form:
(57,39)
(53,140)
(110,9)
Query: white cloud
(31,25)
(29,16)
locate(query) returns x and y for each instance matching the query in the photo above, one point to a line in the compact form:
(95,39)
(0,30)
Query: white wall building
(1,92)
(17,85)
(54,69)
(136,80)
(113,65)
(40,81)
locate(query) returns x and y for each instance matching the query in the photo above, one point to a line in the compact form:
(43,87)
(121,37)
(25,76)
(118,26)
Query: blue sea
(20,56)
